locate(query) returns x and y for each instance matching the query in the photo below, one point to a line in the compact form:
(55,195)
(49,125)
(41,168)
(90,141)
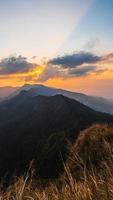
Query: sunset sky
(59,43)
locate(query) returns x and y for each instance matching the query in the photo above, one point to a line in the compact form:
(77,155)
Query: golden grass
(92,185)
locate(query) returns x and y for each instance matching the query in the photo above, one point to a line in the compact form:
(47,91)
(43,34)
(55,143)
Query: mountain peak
(28,121)
(96,103)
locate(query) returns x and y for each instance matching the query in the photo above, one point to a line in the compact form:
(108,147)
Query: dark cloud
(75,65)
(54,72)
(14,64)
(74,60)
(82,71)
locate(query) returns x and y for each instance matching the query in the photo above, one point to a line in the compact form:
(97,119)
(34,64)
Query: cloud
(49,72)
(82,71)
(12,65)
(34,57)
(108,58)
(75,65)
(54,72)
(92,43)
(75,60)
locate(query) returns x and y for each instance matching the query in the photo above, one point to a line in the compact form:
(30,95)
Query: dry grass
(92,184)
(91,188)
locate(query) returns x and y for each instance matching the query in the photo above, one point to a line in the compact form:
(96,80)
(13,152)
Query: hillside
(6,91)
(96,103)
(82,178)
(92,149)
(37,127)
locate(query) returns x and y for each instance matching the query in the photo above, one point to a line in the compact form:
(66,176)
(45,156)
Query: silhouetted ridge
(38,127)
(96,103)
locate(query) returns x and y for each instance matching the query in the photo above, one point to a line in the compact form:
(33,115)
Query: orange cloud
(98,81)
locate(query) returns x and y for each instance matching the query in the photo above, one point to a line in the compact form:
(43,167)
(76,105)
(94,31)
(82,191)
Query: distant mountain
(6,91)
(37,90)
(96,103)
(0,99)
(30,123)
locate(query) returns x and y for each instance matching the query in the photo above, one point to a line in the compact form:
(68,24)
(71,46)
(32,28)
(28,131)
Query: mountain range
(37,127)
(96,103)
(6,91)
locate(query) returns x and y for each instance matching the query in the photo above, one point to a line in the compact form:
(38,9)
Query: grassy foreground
(88,172)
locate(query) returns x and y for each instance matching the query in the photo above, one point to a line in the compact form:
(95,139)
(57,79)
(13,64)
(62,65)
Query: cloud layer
(78,64)
(12,65)
(82,71)
(75,60)
(75,65)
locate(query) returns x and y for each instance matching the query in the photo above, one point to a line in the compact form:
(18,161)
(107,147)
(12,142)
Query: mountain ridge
(97,103)
(27,122)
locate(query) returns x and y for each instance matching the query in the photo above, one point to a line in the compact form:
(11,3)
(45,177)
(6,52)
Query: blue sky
(48,27)
(44,28)
(95,27)
(35,27)
(57,30)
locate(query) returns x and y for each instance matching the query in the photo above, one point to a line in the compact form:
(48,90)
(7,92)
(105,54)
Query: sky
(60,43)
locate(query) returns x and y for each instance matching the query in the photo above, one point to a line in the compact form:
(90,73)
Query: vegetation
(88,172)
(37,127)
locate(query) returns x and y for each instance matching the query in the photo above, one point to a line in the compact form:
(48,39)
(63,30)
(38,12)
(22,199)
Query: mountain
(36,89)
(6,91)
(96,103)
(37,127)
(0,99)
(93,146)
(88,173)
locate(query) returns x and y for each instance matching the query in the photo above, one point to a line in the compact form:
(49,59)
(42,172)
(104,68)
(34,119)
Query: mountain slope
(96,103)
(88,173)
(28,123)
(94,147)
(6,91)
